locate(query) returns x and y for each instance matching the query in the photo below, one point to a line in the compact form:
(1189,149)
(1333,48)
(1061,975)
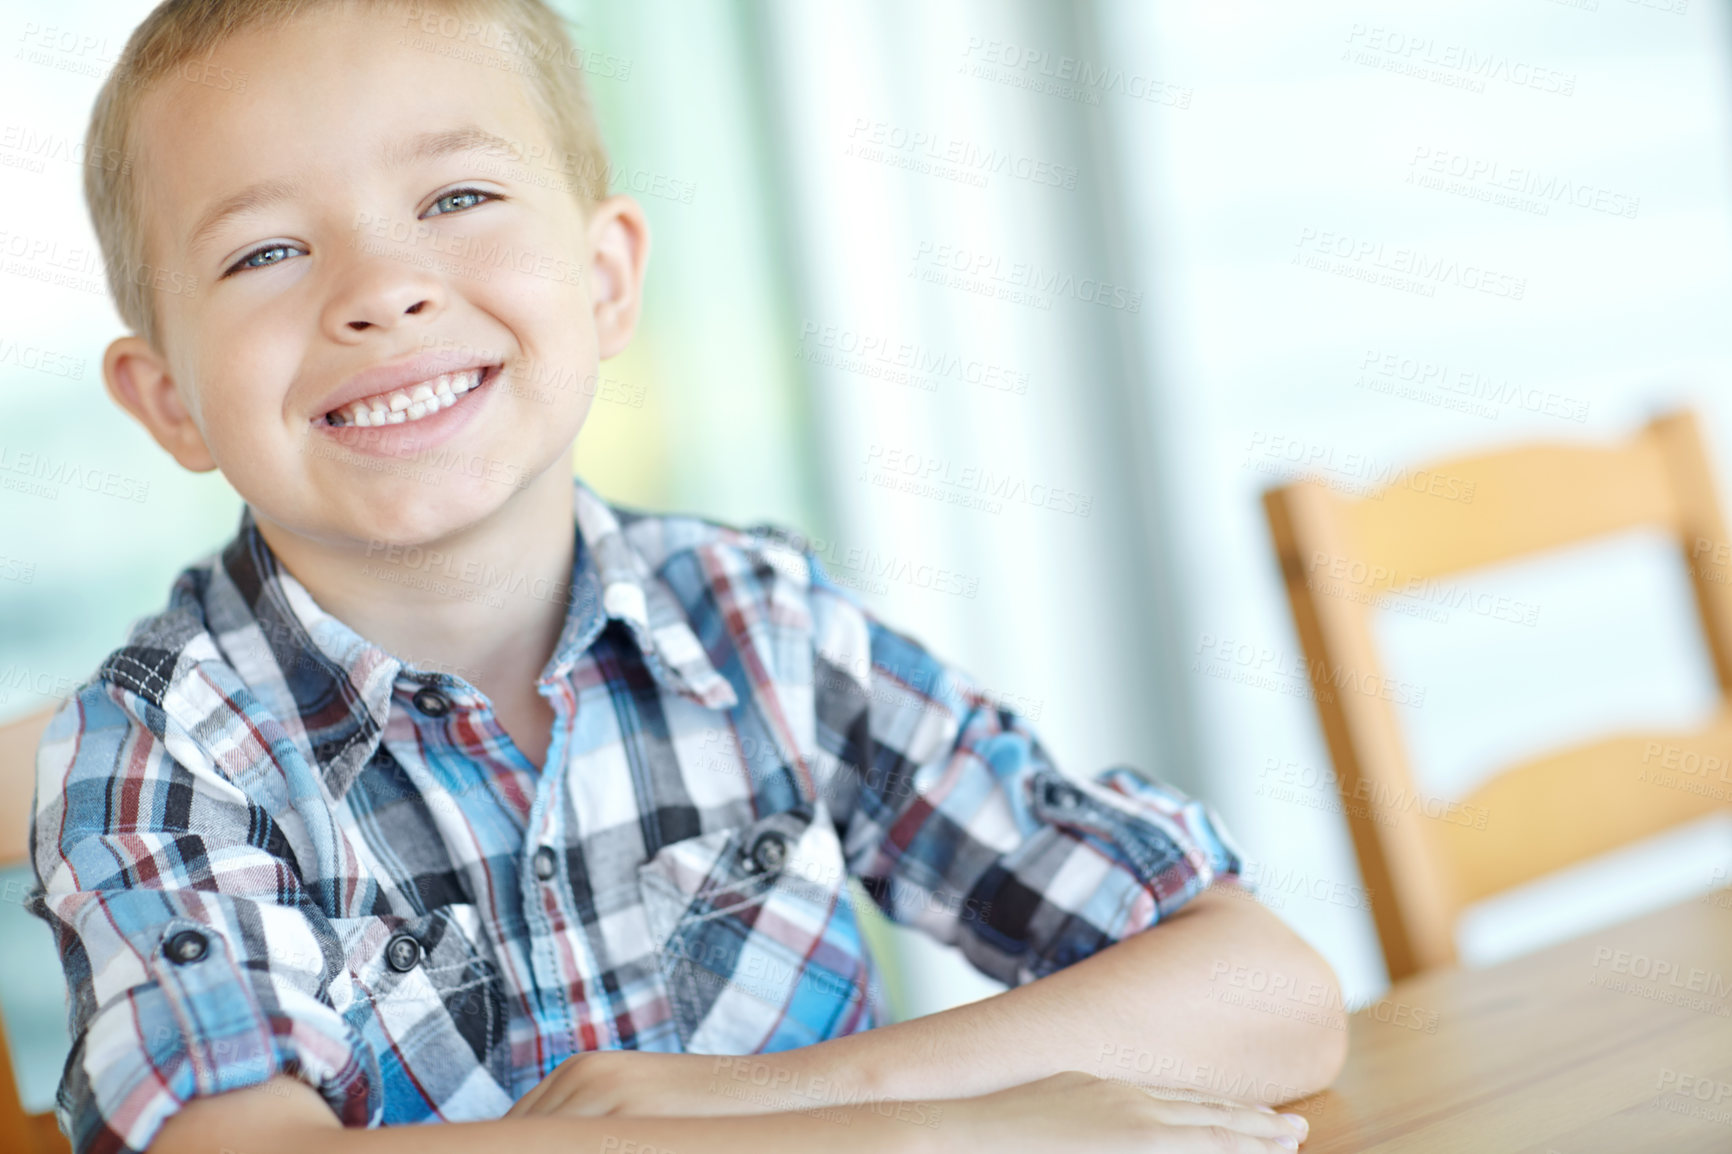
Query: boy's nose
(359,325)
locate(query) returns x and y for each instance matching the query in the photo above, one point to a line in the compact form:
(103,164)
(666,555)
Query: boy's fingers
(1242,1119)
(1220,1140)
(1178,1094)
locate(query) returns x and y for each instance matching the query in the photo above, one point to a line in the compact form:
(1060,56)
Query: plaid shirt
(265,844)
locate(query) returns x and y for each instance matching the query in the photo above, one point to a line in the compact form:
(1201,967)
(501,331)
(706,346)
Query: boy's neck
(458,617)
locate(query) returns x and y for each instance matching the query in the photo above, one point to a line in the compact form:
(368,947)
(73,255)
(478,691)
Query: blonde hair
(180,34)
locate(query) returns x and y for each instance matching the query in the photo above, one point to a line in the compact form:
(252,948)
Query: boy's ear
(619,242)
(138,379)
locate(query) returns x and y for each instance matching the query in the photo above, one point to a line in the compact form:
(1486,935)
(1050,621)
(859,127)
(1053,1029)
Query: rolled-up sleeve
(194,962)
(957,822)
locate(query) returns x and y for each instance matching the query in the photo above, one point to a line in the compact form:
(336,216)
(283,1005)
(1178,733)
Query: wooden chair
(1340,555)
(21,1132)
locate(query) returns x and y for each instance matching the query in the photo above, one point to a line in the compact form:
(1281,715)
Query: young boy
(448,792)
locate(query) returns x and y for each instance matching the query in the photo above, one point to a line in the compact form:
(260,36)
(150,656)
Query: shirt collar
(341,684)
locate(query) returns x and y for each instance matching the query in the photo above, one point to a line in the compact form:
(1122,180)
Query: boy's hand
(675,1085)
(1073,1111)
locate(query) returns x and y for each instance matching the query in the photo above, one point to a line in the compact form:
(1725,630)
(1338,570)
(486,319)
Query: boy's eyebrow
(397,154)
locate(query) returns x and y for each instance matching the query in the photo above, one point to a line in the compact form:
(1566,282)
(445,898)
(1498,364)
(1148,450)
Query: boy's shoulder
(159,645)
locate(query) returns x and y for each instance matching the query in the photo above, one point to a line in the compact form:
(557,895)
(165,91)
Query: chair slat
(1556,810)
(1476,511)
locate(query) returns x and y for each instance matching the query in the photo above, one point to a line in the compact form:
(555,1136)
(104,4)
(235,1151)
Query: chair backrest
(21,1131)
(1424,861)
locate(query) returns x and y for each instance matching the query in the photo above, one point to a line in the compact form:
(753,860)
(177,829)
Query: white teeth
(411,404)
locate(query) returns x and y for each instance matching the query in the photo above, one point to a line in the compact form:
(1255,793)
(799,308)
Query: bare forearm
(1171,1006)
(858,1128)
(251,1122)
(843,1130)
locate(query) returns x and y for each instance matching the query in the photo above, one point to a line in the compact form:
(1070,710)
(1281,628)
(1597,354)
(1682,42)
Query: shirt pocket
(430,998)
(756,936)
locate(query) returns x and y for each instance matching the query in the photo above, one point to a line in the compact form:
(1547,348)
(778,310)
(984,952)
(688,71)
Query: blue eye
(263,257)
(465,198)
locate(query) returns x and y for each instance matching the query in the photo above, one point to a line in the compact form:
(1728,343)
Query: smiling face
(397,321)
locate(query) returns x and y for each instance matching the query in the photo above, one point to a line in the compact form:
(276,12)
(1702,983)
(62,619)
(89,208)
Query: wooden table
(1619,1041)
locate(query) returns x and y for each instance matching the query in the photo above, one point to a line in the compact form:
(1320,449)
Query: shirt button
(546,861)
(402,952)
(769,852)
(1063,795)
(432,702)
(186,946)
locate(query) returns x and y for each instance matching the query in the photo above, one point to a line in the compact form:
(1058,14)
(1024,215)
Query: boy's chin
(426,516)
(381,516)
